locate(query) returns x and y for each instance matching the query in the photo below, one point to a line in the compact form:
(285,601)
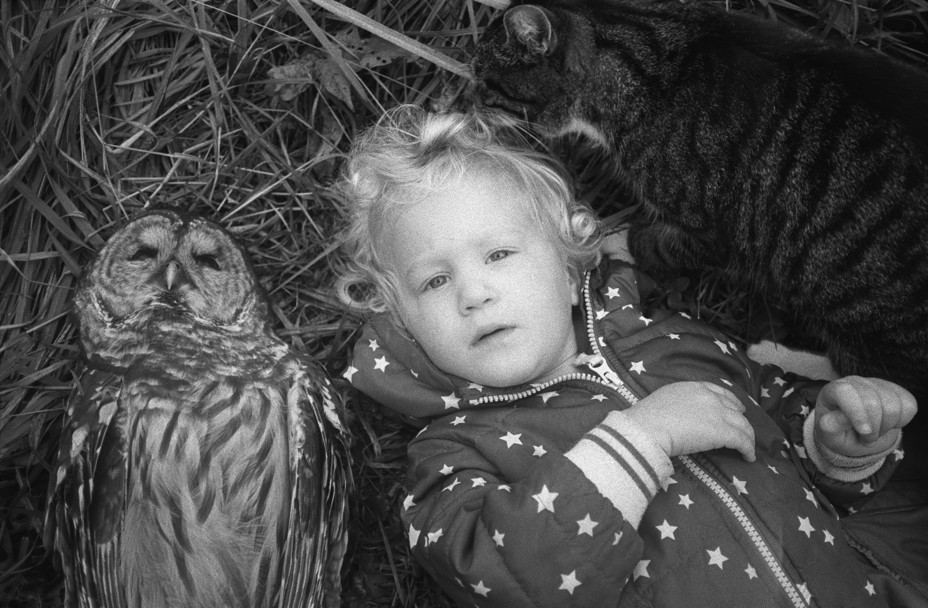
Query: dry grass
(240,110)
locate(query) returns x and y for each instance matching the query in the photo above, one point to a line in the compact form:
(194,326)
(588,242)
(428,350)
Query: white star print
(732,346)
(450,487)
(569,582)
(685,316)
(673,336)
(722,346)
(801,451)
(599,397)
(716,558)
(618,537)
(666,530)
(381,363)
(475,386)
(511,439)
(806,526)
(774,469)
(586,525)
(899,454)
(637,367)
(627,306)
(804,410)
(451,402)
(408,502)
(779,381)
(372,344)
(413,536)
(446,469)
(504,488)
(788,392)
(458,420)
(539,450)
(545,499)
(478,482)
(498,538)
(642,569)
(351,371)
(432,537)
(810,497)
(414,373)
(726,382)
(685,501)
(741,486)
(612,292)
(546,396)
(752,573)
(871,590)
(866,489)
(667,483)
(480,589)
(601,314)
(645,320)
(764,392)
(805,592)
(829,538)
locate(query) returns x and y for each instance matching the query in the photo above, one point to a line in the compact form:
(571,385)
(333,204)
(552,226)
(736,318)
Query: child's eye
(436,282)
(499,255)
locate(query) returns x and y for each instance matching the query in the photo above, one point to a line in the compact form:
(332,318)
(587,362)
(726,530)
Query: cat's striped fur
(796,165)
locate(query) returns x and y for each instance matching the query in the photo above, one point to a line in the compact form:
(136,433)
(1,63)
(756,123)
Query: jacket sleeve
(507,517)
(790,401)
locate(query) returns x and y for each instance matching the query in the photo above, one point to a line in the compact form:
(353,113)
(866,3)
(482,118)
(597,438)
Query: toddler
(577,452)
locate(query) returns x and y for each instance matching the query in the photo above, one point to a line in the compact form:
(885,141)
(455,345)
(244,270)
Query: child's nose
(474,293)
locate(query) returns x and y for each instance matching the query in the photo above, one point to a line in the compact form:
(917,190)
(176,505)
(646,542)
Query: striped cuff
(838,466)
(624,463)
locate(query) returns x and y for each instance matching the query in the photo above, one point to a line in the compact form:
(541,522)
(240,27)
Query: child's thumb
(835,422)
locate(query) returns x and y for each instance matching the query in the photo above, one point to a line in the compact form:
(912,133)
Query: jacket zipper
(537,388)
(606,376)
(599,364)
(730,503)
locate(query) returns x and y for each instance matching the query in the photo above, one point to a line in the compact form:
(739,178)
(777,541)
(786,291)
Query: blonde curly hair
(411,153)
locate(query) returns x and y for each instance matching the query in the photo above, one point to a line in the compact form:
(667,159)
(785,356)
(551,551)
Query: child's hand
(689,417)
(857,416)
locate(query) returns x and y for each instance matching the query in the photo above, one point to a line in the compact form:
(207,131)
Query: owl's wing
(87,495)
(319,466)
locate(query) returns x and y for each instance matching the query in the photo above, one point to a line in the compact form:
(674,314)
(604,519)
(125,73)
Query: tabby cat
(794,164)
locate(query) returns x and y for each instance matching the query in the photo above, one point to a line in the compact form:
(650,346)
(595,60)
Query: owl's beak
(171,274)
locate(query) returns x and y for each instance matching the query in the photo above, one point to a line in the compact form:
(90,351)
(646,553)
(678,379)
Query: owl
(202,461)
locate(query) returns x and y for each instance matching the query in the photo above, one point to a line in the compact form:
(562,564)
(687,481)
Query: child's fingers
(741,436)
(855,397)
(727,397)
(898,406)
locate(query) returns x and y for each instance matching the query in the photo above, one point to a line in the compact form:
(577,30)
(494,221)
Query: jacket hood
(391,368)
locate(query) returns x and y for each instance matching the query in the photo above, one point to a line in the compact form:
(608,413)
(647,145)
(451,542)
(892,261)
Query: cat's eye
(208,260)
(144,254)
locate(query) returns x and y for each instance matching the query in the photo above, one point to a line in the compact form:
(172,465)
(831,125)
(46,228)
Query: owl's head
(167,266)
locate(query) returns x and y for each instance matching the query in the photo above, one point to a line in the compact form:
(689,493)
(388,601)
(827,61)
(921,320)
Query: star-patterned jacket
(548,495)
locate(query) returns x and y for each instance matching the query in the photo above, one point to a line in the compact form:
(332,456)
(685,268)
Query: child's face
(482,289)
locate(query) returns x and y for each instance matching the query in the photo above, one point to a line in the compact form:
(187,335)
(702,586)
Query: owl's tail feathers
(168,563)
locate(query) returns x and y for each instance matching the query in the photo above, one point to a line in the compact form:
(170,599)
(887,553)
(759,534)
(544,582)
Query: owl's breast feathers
(213,475)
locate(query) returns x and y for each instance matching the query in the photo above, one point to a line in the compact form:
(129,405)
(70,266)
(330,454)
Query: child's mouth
(493,333)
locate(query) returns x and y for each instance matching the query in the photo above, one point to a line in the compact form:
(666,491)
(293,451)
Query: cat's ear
(530,26)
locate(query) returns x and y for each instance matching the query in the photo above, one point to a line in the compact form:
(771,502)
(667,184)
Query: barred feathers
(202,463)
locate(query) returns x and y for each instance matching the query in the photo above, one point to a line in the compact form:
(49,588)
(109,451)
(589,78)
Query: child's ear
(574,281)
